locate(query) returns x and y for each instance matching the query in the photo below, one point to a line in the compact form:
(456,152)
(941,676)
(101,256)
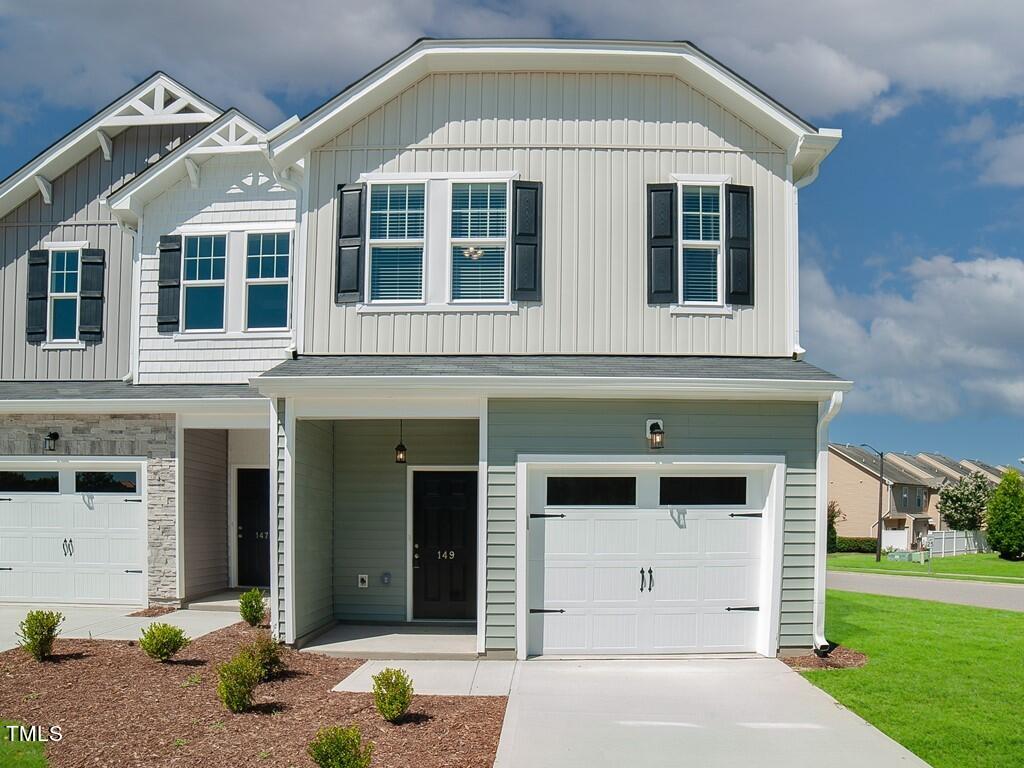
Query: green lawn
(987,567)
(20,754)
(946,681)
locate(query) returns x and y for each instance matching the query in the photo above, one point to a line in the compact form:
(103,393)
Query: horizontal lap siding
(616,427)
(313,524)
(594,140)
(76,214)
(206,511)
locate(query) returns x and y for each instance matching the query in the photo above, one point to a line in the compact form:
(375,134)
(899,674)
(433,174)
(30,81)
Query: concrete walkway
(1008,597)
(662,714)
(109,622)
(440,678)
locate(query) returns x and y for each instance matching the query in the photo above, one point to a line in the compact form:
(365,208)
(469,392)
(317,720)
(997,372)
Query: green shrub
(266,652)
(252,606)
(236,680)
(339,747)
(865,544)
(392,693)
(835,514)
(38,631)
(161,641)
(1005,517)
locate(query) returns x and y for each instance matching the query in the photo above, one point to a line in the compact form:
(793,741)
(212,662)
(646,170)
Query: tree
(962,504)
(835,514)
(1005,517)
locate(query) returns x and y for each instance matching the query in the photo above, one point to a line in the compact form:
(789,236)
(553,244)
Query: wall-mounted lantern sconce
(655,434)
(400,450)
(50,441)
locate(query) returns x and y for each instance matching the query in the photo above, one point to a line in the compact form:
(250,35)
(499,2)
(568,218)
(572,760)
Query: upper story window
(479,232)
(701,244)
(205,260)
(397,226)
(266,275)
(64,291)
(905,499)
(920,498)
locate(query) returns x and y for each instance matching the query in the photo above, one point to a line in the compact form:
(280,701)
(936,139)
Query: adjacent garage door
(72,533)
(645,563)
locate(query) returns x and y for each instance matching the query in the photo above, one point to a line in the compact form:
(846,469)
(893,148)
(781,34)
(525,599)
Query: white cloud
(979,128)
(946,339)
(1002,158)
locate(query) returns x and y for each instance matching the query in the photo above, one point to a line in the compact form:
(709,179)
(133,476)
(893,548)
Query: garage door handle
(134,501)
(71,546)
(744,608)
(641,579)
(7,499)
(131,571)
(65,547)
(650,578)
(545,515)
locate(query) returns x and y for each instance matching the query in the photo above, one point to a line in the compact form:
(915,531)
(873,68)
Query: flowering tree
(1005,517)
(962,504)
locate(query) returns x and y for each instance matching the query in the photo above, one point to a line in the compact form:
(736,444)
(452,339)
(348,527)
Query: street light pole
(881,486)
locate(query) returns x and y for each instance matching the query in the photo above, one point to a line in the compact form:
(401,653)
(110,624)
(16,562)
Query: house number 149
(446,554)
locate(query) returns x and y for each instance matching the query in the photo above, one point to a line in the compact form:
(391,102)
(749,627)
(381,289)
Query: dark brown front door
(444,545)
(253,491)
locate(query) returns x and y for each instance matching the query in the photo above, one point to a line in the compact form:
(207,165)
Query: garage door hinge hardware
(746,514)
(130,571)
(7,499)
(546,515)
(134,501)
(547,610)
(6,569)
(744,608)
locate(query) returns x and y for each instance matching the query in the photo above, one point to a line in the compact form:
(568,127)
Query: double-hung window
(701,225)
(64,286)
(396,243)
(479,245)
(266,280)
(203,282)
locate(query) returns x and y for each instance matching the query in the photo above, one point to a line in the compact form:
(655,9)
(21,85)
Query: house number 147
(446,554)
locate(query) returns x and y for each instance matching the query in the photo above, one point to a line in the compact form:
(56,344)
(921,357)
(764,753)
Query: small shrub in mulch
(266,653)
(236,681)
(38,631)
(252,607)
(839,658)
(392,693)
(339,747)
(161,641)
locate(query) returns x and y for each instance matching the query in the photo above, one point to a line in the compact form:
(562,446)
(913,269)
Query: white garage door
(651,564)
(72,533)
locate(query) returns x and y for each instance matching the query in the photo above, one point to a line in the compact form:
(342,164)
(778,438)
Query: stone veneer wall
(151,436)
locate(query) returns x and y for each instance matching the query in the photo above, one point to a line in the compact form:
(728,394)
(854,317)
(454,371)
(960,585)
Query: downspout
(827,411)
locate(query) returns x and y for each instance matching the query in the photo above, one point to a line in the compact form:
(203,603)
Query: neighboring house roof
(157,100)
(916,466)
(868,461)
(810,145)
(953,469)
(974,465)
(14,391)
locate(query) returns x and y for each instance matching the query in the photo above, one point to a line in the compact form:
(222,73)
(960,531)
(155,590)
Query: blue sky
(912,268)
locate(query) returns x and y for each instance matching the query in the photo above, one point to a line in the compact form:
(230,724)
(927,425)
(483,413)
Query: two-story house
(537,306)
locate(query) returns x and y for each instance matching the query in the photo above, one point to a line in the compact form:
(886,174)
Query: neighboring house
(541,363)
(990,473)
(853,484)
(932,476)
(946,466)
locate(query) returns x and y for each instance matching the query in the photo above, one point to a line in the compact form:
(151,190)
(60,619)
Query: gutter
(826,412)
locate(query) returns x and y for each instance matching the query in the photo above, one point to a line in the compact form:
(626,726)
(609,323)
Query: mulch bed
(155,610)
(116,707)
(840,658)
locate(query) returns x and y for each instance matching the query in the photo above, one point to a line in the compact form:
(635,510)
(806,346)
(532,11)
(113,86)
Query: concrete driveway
(109,622)
(1007,597)
(694,712)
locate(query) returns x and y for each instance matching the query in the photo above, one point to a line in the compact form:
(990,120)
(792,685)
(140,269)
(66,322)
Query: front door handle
(650,579)
(641,579)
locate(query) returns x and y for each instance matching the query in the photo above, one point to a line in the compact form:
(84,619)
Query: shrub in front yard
(392,693)
(252,606)
(339,747)
(236,680)
(1005,517)
(266,652)
(38,631)
(865,544)
(161,641)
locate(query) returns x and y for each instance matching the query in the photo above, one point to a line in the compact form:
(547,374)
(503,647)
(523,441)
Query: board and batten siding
(613,427)
(205,511)
(595,140)
(77,214)
(371,506)
(234,190)
(313,525)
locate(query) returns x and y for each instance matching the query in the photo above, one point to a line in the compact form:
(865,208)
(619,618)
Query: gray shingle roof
(639,366)
(869,461)
(954,468)
(934,476)
(118,390)
(994,471)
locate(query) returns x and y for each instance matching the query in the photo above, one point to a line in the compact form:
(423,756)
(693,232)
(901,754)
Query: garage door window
(703,491)
(106,482)
(591,491)
(29,482)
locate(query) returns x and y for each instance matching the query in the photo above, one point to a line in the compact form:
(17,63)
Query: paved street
(1009,597)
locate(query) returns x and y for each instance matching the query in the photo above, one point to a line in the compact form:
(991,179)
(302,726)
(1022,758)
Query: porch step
(399,641)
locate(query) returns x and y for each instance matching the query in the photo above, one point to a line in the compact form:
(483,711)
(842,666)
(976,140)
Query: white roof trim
(682,59)
(158,100)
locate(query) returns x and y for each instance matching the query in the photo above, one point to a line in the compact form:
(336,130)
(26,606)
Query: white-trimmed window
(396,244)
(203,282)
(267,269)
(701,240)
(479,238)
(65,266)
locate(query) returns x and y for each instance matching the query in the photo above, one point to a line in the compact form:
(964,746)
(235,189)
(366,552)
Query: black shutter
(662,245)
(168,308)
(351,257)
(38,285)
(739,245)
(526,240)
(90,311)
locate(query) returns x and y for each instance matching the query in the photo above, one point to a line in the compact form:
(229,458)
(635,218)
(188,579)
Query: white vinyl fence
(949,543)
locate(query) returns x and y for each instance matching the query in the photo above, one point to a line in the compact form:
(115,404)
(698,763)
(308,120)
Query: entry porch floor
(397,641)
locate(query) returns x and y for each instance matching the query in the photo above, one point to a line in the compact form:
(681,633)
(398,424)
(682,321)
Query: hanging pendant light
(400,451)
